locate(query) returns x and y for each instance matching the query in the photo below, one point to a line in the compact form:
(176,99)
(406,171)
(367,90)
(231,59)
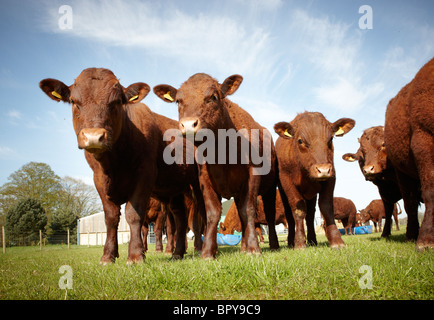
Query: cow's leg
(135,214)
(170,232)
(310,217)
(388,211)
(177,206)
(269,201)
(408,187)
(158,230)
(259,233)
(288,215)
(395,217)
(198,219)
(424,157)
(145,229)
(298,209)
(213,208)
(246,204)
(112,215)
(325,203)
(375,226)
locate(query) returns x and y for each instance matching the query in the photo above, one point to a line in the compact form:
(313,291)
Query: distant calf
(376,213)
(232,221)
(345,210)
(226,171)
(377,168)
(123,144)
(306,169)
(409,138)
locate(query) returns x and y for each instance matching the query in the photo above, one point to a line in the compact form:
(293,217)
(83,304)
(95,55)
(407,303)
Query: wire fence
(38,238)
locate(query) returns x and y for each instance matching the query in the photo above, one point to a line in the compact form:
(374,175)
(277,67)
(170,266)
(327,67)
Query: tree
(33,180)
(75,200)
(24,220)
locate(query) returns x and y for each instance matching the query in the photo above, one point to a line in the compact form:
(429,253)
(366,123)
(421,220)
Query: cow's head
(365,215)
(371,155)
(97,100)
(311,136)
(200,101)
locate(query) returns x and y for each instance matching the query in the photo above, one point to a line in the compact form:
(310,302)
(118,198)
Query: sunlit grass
(398,272)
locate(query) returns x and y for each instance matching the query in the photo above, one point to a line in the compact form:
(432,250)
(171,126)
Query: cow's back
(343,207)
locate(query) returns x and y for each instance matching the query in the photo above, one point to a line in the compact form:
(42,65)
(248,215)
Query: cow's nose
(369,169)
(323,171)
(189,125)
(93,138)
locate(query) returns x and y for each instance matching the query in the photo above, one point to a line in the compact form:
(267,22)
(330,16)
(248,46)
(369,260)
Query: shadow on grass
(391,238)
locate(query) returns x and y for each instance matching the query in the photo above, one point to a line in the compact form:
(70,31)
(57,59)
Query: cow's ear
(55,89)
(231,84)
(284,129)
(165,92)
(136,92)
(350,157)
(343,126)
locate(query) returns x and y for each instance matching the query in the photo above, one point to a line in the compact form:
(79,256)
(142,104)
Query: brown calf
(232,221)
(376,167)
(409,138)
(204,108)
(345,210)
(305,156)
(376,213)
(123,143)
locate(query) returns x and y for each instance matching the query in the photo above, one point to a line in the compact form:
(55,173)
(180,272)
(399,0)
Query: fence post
(4,239)
(40,239)
(67,236)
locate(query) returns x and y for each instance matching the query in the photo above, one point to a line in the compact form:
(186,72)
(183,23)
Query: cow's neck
(120,156)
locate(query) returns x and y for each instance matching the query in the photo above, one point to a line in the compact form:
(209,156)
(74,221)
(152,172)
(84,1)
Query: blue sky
(293,55)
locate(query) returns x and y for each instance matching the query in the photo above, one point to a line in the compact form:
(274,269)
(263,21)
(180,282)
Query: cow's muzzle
(189,125)
(322,172)
(93,140)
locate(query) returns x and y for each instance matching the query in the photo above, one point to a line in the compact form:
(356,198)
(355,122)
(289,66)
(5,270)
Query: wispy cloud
(14,114)
(171,32)
(6,152)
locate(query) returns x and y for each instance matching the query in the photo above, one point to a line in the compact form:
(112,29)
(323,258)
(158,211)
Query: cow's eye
(300,141)
(213,98)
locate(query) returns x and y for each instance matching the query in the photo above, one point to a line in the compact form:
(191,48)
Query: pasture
(398,272)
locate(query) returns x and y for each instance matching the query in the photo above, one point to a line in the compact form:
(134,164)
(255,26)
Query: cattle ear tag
(134,98)
(351,159)
(168,96)
(340,132)
(286,133)
(55,94)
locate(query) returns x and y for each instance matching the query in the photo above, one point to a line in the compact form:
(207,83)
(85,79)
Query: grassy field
(398,272)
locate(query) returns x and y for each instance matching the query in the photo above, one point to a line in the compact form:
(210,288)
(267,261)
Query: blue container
(227,239)
(359,230)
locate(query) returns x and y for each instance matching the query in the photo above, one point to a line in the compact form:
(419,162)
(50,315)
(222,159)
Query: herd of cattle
(124,145)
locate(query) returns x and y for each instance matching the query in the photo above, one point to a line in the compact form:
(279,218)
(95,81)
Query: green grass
(398,272)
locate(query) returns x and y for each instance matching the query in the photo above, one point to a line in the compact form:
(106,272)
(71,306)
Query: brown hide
(376,213)
(305,157)
(202,104)
(409,138)
(345,210)
(123,143)
(232,221)
(375,166)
